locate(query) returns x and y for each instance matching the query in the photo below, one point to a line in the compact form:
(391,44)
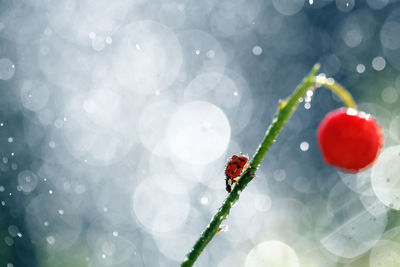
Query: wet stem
(285,110)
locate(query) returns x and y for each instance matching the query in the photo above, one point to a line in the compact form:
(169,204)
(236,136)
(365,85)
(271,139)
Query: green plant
(285,110)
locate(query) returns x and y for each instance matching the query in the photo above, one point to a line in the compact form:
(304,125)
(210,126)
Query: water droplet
(9,241)
(224,228)
(304,146)
(360,68)
(257,50)
(204,200)
(210,54)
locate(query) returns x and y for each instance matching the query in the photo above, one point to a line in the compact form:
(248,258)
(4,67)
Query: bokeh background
(117,117)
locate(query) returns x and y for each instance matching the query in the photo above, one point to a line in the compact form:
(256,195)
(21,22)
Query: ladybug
(234,168)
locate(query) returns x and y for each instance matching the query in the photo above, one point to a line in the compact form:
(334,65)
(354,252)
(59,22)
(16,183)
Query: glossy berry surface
(349,139)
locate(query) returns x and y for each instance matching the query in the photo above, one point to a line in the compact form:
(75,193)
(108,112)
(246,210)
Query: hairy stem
(285,110)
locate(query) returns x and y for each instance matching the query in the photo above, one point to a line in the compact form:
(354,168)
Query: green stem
(286,109)
(339,90)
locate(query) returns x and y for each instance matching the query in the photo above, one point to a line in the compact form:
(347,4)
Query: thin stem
(286,109)
(339,90)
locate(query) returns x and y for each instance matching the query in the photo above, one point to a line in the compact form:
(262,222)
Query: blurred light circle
(245,210)
(390,35)
(22,22)
(104,106)
(13,230)
(202,41)
(389,95)
(279,175)
(65,228)
(108,246)
(330,64)
(386,179)
(158,210)
(358,182)
(235,18)
(51,240)
(288,7)
(98,43)
(99,137)
(214,87)
(76,21)
(172,14)
(9,241)
(350,230)
(304,146)
(28,181)
(353,37)
(262,202)
(345,5)
(146,56)
(394,129)
(272,253)
(198,133)
(377,4)
(7,69)
(360,68)
(385,253)
(257,50)
(174,244)
(378,63)
(46,116)
(303,184)
(152,126)
(34,95)
(373,205)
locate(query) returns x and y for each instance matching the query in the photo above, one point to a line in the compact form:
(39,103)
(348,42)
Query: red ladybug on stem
(234,168)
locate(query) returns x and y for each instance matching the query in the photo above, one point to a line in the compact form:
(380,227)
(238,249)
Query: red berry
(349,139)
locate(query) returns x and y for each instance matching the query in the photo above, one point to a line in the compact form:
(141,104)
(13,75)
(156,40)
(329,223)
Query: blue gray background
(117,117)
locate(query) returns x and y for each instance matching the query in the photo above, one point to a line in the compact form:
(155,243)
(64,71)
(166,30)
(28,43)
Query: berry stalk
(285,110)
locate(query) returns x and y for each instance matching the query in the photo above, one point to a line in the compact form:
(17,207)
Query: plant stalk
(285,110)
